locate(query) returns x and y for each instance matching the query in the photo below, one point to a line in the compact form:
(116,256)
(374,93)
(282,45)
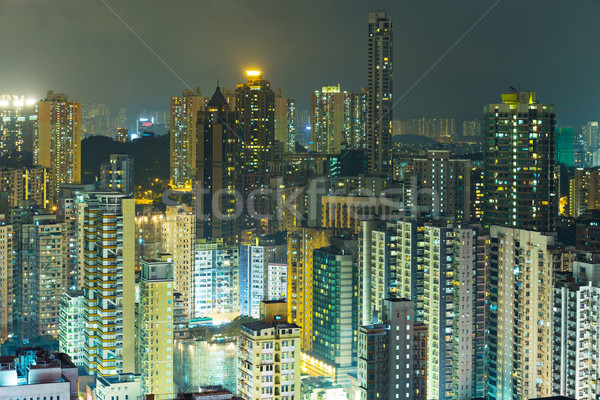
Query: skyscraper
(155,327)
(255,106)
(6,281)
(334,310)
(327,119)
(442,186)
(40,273)
(217,171)
(215,281)
(301,245)
(590,138)
(285,122)
(575,340)
(519,314)
(16,124)
(184,117)
(109,283)
(57,138)
(179,234)
(252,263)
(520,189)
(565,146)
(388,354)
(380,91)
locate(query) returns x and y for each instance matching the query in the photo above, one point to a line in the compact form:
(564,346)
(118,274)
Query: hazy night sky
(79,47)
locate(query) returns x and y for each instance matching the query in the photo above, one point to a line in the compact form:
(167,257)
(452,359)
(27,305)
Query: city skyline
(137,79)
(239,247)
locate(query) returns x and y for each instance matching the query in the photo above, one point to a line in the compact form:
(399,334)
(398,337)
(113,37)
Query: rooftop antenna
(217,82)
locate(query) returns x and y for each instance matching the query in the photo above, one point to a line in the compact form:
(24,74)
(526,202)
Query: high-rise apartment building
(441,186)
(338,119)
(441,268)
(565,146)
(217,169)
(26,183)
(301,244)
(71,326)
(6,281)
(215,281)
(285,122)
(179,235)
(377,268)
(520,188)
(335,314)
(252,264)
(468,305)
(184,119)
(57,138)
(328,119)
(17,117)
(155,327)
(389,356)
(117,174)
(380,92)
(519,314)
(109,283)
(575,340)
(590,138)
(40,274)
(255,106)
(269,355)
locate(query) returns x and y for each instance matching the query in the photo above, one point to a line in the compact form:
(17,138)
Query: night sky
(81,48)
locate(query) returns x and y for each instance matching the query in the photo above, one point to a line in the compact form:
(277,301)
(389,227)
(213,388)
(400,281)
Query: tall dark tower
(217,171)
(255,106)
(380,88)
(520,189)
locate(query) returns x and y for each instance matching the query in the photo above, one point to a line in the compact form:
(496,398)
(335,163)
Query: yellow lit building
(27,183)
(301,244)
(255,106)
(348,212)
(179,235)
(6,273)
(269,355)
(155,327)
(184,117)
(109,283)
(57,138)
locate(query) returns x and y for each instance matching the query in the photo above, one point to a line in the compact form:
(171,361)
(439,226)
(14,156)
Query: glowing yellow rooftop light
(253,72)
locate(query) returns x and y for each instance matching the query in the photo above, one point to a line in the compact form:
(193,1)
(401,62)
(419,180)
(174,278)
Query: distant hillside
(414,139)
(151,157)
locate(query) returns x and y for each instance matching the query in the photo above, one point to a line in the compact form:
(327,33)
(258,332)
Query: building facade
(379,94)
(184,119)
(269,356)
(519,314)
(57,139)
(217,169)
(520,189)
(109,283)
(155,328)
